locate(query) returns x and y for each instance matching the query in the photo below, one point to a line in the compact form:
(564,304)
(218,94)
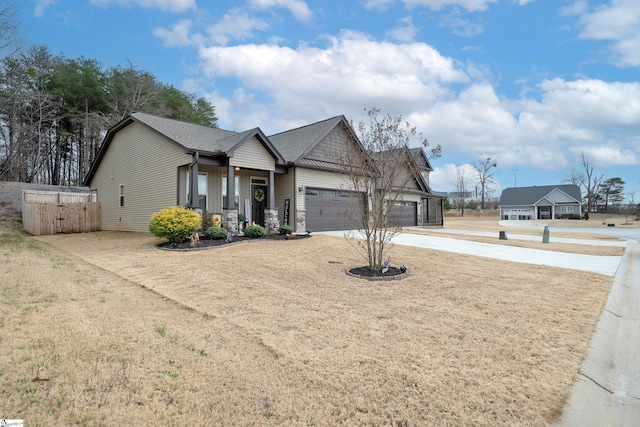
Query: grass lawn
(115,331)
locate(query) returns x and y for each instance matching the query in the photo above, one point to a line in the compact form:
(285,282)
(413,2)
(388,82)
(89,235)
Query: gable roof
(519,196)
(190,137)
(294,144)
(421,158)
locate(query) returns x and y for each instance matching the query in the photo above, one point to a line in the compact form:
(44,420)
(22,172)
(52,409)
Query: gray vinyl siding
(147,165)
(285,189)
(253,155)
(331,147)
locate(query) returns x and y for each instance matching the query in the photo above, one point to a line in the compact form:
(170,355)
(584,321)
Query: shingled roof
(294,144)
(190,136)
(528,196)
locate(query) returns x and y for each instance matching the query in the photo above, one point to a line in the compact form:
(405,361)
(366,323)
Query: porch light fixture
(237,168)
(301,189)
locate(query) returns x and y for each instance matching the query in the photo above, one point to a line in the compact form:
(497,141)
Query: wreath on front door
(258,195)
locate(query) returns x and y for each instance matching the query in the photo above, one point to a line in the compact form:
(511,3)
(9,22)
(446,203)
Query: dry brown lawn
(115,331)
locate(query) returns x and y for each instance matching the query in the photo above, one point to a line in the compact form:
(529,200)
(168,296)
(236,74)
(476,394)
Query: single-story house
(541,202)
(147,163)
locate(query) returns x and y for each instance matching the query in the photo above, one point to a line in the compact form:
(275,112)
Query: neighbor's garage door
(331,209)
(403,214)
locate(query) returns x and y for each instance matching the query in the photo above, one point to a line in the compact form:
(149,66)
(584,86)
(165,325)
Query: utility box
(545,235)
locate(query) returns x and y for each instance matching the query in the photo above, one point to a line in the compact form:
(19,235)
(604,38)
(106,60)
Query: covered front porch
(252,190)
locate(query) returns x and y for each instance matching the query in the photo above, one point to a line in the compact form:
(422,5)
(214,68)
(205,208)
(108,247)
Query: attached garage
(403,214)
(330,209)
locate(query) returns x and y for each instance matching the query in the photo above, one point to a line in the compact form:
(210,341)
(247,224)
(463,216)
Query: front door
(259,203)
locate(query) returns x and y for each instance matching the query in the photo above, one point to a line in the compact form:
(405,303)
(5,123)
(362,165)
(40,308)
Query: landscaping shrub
(174,223)
(215,233)
(285,229)
(586,215)
(254,230)
(207,221)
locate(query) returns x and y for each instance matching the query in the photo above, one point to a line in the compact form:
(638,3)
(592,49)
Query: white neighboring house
(541,202)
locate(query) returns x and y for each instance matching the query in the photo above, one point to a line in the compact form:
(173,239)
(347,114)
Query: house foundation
(301,221)
(271,221)
(230,220)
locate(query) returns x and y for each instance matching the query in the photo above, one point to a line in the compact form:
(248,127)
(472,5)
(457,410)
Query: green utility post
(545,235)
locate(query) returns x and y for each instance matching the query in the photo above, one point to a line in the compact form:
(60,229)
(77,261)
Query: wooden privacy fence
(45,212)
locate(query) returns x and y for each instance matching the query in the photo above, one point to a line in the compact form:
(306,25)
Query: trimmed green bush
(174,223)
(215,233)
(254,230)
(285,229)
(586,215)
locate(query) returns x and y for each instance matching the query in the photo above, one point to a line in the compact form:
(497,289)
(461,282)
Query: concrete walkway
(592,263)
(607,388)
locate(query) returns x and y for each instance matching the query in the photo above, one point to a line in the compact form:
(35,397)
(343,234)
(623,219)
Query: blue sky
(533,84)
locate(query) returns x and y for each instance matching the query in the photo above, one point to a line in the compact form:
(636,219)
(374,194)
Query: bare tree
(8,27)
(575,177)
(631,206)
(485,171)
(461,188)
(590,182)
(378,167)
(129,90)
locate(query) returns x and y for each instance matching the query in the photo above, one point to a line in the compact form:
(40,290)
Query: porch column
(230,203)
(271,221)
(193,182)
(272,191)
(230,209)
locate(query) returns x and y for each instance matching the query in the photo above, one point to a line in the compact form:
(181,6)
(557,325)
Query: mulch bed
(211,243)
(365,272)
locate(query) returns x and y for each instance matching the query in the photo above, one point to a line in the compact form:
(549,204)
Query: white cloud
(612,155)
(298,8)
(618,23)
(592,103)
(235,25)
(405,31)
(460,26)
(178,35)
(167,5)
(41,5)
(470,5)
(380,5)
(577,8)
(445,177)
(352,72)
